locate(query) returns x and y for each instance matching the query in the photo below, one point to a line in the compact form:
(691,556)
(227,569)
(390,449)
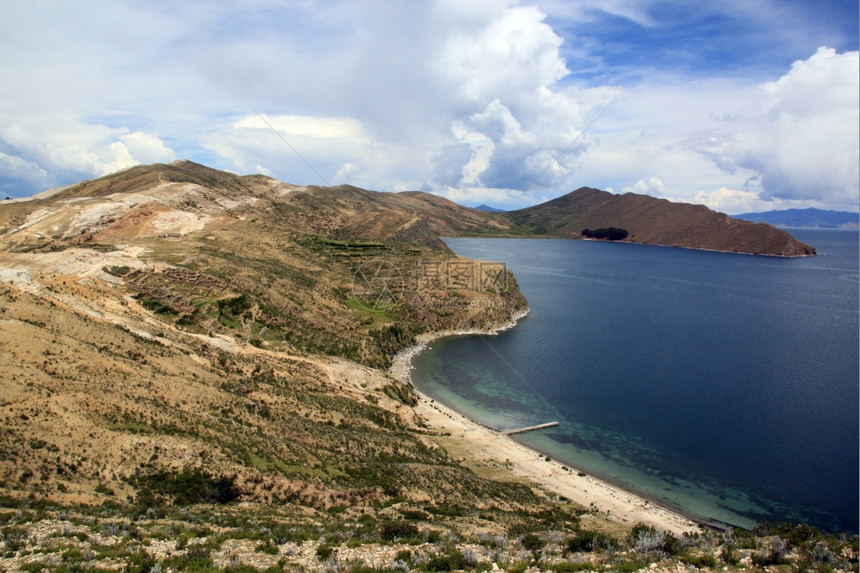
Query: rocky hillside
(174,317)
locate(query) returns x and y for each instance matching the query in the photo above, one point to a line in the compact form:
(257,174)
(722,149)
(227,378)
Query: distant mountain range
(488,209)
(810,218)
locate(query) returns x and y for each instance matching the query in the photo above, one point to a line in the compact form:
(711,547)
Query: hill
(485,207)
(809,218)
(154,311)
(654,221)
(194,377)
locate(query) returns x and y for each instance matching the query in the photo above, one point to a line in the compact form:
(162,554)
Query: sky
(742,105)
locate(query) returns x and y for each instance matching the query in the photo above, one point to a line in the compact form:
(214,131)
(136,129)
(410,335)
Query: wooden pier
(530,428)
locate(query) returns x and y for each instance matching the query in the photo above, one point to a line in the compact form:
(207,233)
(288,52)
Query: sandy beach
(495,454)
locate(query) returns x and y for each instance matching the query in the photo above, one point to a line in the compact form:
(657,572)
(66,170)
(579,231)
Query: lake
(724,386)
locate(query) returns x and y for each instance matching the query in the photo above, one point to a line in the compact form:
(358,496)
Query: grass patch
(372,317)
(131,428)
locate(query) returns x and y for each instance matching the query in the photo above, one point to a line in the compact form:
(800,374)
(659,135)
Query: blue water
(722,385)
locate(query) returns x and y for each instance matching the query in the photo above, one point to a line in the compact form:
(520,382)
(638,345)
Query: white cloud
(147,148)
(506,199)
(512,55)
(444,94)
(803,142)
(644,136)
(134,149)
(79,151)
(345,129)
(736,201)
(653,187)
(344,174)
(524,131)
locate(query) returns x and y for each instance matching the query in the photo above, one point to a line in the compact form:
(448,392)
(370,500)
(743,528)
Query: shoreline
(481,445)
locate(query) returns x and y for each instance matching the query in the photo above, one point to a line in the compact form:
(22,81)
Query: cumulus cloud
(736,201)
(506,199)
(314,150)
(803,142)
(134,149)
(513,53)
(346,172)
(471,99)
(345,129)
(524,131)
(653,187)
(80,151)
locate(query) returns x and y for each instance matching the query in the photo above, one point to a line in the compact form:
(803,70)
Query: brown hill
(174,317)
(655,221)
(347,212)
(416,217)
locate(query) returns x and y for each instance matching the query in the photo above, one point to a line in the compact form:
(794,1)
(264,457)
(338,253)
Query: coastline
(479,445)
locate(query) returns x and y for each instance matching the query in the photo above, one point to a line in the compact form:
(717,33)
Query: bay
(724,386)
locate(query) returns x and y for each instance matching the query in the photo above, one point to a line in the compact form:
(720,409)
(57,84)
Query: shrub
(324,551)
(822,554)
(234,306)
(607,233)
(629,566)
(398,530)
(699,561)
(587,541)
(267,548)
(452,562)
(794,534)
(186,488)
(414,515)
(140,562)
(646,539)
(532,542)
(775,555)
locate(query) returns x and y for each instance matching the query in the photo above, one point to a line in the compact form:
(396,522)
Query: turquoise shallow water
(723,385)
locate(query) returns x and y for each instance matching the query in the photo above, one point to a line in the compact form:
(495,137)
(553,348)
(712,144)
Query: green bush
(324,551)
(186,488)
(570,567)
(532,542)
(455,561)
(795,534)
(234,306)
(606,233)
(699,561)
(398,530)
(629,566)
(587,541)
(155,306)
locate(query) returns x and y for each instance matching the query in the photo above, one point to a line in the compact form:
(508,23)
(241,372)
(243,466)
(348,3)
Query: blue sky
(743,105)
